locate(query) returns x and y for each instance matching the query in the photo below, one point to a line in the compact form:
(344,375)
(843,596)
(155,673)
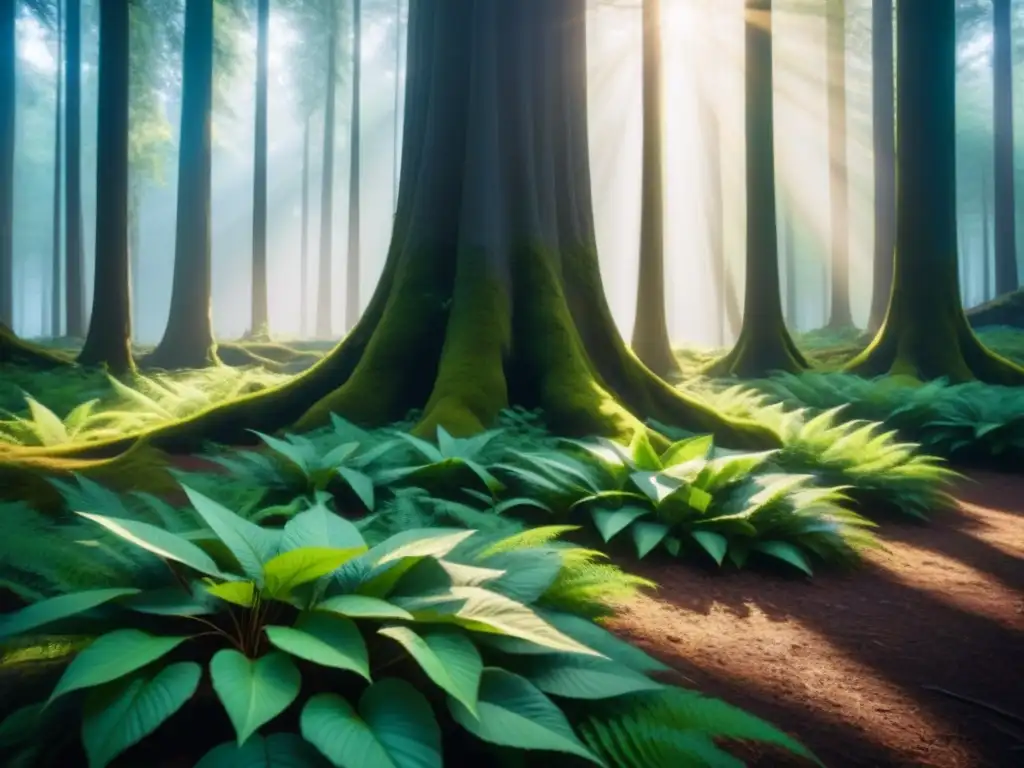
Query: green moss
(14,351)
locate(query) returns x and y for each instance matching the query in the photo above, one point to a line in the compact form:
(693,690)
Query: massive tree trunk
(491,293)
(764,344)
(354,176)
(258,325)
(839,193)
(304,237)
(925,333)
(650,329)
(188,337)
(55,260)
(8,105)
(325,269)
(1005,209)
(74,274)
(110,327)
(883,118)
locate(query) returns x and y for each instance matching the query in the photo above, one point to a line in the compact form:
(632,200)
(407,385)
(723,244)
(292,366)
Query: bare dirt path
(843,661)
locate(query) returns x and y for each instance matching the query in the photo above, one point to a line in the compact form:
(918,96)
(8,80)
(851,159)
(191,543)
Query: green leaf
(125,711)
(449,659)
(574,676)
(158,541)
(646,536)
(56,608)
(362,607)
(425,449)
(786,552)
(360,483)
(296,454)
(687,450)
(715,544)
(251,545)
(641,453)
(395,728)
(46,423)
(278,750)
(172,601)
(611,521)
(241,593)
(254,692)
(320,527)
(513,713)
(111,656)
(300,566)
(325,639)
(528,573)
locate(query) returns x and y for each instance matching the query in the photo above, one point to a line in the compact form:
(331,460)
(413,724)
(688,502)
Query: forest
(425,383)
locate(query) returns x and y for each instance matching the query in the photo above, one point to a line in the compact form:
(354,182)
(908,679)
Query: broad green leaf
(713,543)
(253,692)
(574,676)
(655,485)
(528,573)
(47,424)
(394,728)
(300,566)
(360,483)
(641,453)
(786,552)
(241,593)
(296,454)
(449,658)
(337,455)
(22,726)
(320,527)
(172,601)
(56,608)
(425,449)
(278,750)
(251,545)
(125,711)
(513,713)
(604,642)
(611,521)
(325,639)
(161,543)
(687,450)
(646,536)
(362,607)
(111,656)
(393,563)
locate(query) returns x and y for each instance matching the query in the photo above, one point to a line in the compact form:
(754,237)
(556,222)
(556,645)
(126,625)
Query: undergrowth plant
(321,650)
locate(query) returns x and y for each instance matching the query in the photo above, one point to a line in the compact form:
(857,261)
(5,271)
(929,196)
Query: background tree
(839,191)
(1006,276)
(883,124)
(259,323)
(354,175)
(74,271)
(58,154)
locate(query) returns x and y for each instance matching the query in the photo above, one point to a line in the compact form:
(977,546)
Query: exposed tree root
(15,351)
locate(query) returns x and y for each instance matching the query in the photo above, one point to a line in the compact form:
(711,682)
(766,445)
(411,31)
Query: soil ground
(849,662)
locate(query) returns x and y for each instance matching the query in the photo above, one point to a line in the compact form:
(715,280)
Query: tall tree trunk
(134,241)
(789,238)
(650,329)
(925,333)
(883,118)
(398,91)
(764,345)
(110,328)
(258,325)
(986,238)
(304,241)
(841,316)
(188,337)
(74,273)
(1007,279)
(491,293)
(58,150)
(354,175)
(325,272)
(8,129)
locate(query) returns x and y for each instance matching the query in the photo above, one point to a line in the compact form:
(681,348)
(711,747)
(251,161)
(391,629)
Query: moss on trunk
(15,351)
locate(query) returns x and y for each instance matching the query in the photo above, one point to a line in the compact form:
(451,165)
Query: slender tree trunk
(304,241)
(1007,279)
(354,175)
(258,325)
(650,329)
(884,139)
(789,235)
(188,338)
(841,316)
(986,239)
(8,129)
(58,150)
(764,345)
(925,333)
(134,241)
(110,328)
(74,274)
(325,272)
(398,91)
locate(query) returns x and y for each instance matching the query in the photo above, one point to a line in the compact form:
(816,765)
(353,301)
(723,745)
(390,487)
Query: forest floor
(849,663)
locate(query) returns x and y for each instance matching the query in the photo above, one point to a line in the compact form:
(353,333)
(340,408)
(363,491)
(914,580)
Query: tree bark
(58,150)
(8,105)
(925,333)
(987,271)
(841,316)
(398,91)
(650,329)
(74,274)
(1007,279)
(764,344)
(884,139)
(134,239)
(792,296)
(491,293)
(354,176)
(304,237)
(325,271)
(188,338)
(108,342)
(258,326)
